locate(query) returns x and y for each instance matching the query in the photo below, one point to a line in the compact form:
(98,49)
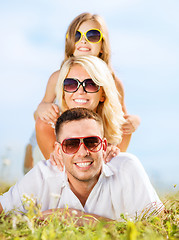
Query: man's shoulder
(123,159)
(47,170)
(125,162)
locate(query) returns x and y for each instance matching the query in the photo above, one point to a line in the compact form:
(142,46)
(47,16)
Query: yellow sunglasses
(92,35)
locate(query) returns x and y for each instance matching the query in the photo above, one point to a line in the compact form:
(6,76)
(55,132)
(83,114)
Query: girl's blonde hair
(110,110)
(74,26)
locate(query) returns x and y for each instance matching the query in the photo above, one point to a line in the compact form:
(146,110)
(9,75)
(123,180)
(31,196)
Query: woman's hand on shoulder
(48,112)
(111,152)
(56,160)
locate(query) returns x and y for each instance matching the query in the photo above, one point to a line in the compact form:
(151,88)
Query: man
(86,184)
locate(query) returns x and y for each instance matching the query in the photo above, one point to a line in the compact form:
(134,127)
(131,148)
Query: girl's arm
(47,110)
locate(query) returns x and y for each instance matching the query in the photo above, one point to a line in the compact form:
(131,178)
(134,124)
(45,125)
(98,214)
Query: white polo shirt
(123,187)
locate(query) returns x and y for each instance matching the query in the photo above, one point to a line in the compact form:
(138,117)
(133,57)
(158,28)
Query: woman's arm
(45,135)
(132,121)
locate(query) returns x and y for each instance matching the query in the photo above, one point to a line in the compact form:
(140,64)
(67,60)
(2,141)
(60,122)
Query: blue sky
(144,38)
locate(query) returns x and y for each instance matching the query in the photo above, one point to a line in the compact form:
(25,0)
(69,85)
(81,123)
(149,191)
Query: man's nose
(82,151)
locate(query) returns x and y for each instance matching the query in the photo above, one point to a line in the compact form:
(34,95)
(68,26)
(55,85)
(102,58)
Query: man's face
(83,166)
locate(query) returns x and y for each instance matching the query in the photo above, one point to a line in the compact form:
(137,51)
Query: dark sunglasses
(92,36)
(72,145)
(71,85)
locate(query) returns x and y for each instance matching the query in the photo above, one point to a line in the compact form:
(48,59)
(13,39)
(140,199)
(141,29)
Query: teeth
(84,49)
(83,164)
(80,100)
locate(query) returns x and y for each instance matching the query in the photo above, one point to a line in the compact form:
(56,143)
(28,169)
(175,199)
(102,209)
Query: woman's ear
(102,99)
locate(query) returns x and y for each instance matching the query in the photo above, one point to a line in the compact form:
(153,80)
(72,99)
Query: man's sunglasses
(92,36)
(72,145)
(71,85)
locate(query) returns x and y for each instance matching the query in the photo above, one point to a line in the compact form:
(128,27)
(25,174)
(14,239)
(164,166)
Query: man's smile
(84,165)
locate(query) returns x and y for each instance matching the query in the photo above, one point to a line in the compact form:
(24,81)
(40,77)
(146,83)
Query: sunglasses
(92,36)
(71,85)
(72,145)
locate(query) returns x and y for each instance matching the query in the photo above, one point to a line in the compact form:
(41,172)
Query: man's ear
(57,148)
(105,144)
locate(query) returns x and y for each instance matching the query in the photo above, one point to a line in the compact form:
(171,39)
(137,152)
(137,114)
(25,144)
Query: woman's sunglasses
(71,85)
(92,36)
(72,145)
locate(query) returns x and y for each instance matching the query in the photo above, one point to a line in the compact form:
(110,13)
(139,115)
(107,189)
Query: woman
(86,81)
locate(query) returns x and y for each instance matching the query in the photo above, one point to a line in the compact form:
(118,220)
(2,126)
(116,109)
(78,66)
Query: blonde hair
(74,26)
(110,110)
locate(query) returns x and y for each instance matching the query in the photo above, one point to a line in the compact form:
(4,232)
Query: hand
(79,217)
(111,152)
(66,213)
(48,112)
(56,160)
(131,124)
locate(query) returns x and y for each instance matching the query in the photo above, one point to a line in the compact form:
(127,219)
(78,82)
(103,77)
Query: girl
(86,35)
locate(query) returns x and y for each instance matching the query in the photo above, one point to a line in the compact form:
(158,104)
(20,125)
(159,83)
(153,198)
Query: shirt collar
(106,170)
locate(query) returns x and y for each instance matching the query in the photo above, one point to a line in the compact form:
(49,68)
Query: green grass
(16,226)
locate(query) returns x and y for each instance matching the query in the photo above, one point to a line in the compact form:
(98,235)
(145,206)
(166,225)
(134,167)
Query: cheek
(99,159)
(65,160)
(67,101)
(66,97)
(97,98)
(75,49)
(97,48)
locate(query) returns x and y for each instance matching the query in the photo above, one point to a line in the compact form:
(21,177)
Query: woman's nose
(81,89)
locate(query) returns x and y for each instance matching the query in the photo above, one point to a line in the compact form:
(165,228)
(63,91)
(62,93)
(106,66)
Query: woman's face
(80,98)
(83,47)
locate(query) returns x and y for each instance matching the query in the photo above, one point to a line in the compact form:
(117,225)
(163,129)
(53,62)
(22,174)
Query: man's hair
(76,114)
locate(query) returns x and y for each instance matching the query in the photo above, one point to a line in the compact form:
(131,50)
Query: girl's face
(83,47)
(80,98)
